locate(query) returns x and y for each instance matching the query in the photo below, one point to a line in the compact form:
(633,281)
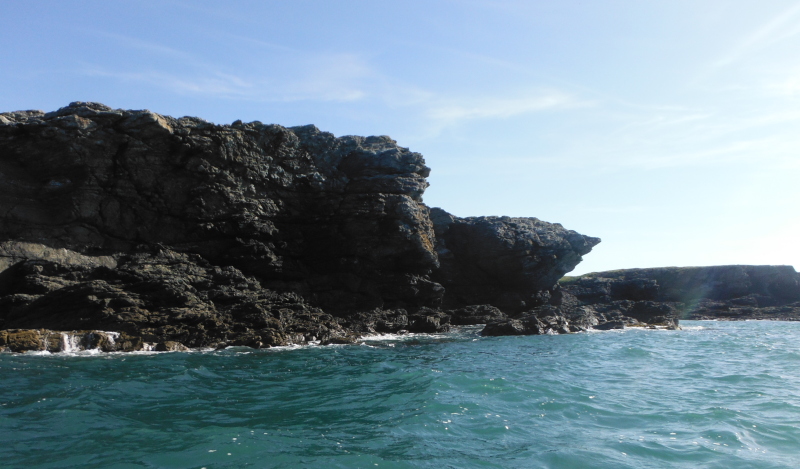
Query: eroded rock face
(511,263)
(184,233)
(544,320)
(338,220)
(162,296)
(43,340)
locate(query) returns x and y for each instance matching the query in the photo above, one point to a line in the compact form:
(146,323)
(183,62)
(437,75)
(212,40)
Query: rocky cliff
(183,232)
(717,292)
(511,263)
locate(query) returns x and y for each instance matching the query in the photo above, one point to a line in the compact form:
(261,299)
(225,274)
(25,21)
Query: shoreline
(176,233)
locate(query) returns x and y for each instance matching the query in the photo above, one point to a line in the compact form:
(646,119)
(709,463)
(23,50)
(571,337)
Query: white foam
(70,342)
(112,337)
(384,337)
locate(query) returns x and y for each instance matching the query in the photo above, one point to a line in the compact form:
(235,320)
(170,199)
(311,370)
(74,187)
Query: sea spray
(70,342)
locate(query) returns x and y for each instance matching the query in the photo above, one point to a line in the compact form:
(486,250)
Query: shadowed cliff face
(182,230)
(338,220)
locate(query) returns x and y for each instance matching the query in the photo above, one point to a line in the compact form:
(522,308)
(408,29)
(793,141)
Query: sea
(712,395)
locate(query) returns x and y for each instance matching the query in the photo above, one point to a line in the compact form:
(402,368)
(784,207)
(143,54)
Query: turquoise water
(715,395)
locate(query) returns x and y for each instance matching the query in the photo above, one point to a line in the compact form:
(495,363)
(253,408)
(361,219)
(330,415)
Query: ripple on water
(713,395)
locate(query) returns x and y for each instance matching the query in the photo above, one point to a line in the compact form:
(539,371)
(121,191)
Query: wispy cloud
(146,46)
(339,77)
(782,26)
(287,75)
(214,84)
(749,132)
(789,86)
(451,111)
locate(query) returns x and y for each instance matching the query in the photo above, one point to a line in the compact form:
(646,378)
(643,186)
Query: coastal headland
(128,230)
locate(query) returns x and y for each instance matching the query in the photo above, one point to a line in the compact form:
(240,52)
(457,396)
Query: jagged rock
(476,314)
(170,230)
(544,320)
(610,325)
(508,327)
(510,263)
(662,295)
(23,340)
(171,346)
(428,322)
(338,220)
(344,340)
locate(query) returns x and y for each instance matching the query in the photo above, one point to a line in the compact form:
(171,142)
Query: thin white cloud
(715,155)
(788,87)
(661,121)
(782,26)
(327,82)
(289,75)
(340,77)
(285,75)
(262,44)
(449,111)
(146,46)
(216,84)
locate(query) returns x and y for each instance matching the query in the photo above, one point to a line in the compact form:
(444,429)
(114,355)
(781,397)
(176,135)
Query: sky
(668,128)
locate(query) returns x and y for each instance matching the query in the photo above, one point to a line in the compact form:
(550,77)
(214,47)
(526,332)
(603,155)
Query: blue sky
(667,128)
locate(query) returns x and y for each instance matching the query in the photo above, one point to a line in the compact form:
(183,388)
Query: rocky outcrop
(21,340)
(161,296)
(569,315)
(337,220)
(544,320)
(717,292)
(181,232)
(511,263)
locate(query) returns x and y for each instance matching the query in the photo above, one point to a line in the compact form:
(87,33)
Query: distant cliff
(718,292)
(180,232)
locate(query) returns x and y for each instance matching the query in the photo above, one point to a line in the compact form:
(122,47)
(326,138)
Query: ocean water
(714,395)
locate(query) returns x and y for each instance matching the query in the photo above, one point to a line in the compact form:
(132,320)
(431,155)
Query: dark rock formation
(512,263)
(476,314)
(338,220)
(718,292)
(544,320)
(179,232)
(161,296)
(54,341)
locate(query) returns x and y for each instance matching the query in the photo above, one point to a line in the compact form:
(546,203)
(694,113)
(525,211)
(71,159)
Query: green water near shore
(717,394)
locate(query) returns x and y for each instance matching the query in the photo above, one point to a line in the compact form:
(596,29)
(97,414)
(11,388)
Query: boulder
(171,346)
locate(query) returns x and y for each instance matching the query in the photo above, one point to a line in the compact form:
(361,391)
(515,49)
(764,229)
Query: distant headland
(128,230)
